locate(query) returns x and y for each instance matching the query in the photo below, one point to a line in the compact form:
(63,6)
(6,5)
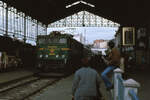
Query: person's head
(92,62)
(85,61)
(111,44)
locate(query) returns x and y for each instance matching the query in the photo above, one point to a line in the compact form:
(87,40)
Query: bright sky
(91,33)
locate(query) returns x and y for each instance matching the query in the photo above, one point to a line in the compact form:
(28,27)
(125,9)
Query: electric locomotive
(58,52)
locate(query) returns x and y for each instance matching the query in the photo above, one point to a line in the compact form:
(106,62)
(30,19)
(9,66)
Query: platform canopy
(124,12)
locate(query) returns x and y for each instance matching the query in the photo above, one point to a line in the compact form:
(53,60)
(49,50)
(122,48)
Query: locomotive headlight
(39,65)
(63,56)
(40,56)
(57,56)
(46,56)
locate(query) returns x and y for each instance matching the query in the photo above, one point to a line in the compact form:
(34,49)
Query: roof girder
(47,11)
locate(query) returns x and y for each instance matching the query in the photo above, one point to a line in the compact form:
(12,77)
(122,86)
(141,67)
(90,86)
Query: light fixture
(91,5)
(41,56)
(78,2)
(75,3)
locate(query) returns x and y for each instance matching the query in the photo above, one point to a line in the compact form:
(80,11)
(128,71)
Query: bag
(72,98)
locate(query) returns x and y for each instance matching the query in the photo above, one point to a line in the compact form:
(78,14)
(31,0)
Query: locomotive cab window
(57,40)
(53,40)
(41,40)
(63,40)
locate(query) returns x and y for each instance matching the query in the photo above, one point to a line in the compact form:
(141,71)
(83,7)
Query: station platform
(6,77)
(62,89)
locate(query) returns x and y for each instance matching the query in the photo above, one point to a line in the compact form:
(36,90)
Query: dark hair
(92,62)
(111,44)
(85,61)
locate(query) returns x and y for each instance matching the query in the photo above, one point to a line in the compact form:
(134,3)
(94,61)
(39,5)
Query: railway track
(25,88)
(12,85)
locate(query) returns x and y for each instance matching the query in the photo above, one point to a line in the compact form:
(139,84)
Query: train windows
(41,41)
(63,40)
(53,40)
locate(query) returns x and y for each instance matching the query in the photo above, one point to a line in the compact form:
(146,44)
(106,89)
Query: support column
(95,19)
(6,21)
(25,29)
(121,39)
(46,29)
(71,21)
(37,29)
(89,19)
(77,19)
(37,33)
(83,19)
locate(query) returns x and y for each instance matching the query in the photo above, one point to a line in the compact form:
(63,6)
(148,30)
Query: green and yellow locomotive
(58,52)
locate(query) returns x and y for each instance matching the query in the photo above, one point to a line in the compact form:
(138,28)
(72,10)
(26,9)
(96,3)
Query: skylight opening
(78,2)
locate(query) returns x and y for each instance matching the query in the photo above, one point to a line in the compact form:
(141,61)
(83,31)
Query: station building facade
(134,43)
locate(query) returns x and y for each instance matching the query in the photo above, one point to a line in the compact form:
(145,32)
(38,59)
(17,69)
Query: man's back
(85,82)
(115,57)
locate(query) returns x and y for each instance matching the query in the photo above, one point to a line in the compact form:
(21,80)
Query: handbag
(72,98)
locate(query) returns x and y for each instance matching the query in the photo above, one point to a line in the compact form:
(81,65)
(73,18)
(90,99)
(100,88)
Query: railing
(121,88)
(124,89)
(133,95)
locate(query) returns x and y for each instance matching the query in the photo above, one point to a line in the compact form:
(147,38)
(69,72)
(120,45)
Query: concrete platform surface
(62,89)
(6,77)
(59,91)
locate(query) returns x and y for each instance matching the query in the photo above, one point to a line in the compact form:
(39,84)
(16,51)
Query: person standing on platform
(86,83)
(113,62)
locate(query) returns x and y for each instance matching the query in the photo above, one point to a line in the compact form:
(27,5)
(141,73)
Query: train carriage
(14,53)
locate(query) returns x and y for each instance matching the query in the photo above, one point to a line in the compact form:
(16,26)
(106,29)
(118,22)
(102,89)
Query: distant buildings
(101,44)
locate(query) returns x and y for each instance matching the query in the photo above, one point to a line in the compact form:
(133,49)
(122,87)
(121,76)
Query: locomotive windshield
(41,40)
(52,40)
(63,40)
(57,40)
